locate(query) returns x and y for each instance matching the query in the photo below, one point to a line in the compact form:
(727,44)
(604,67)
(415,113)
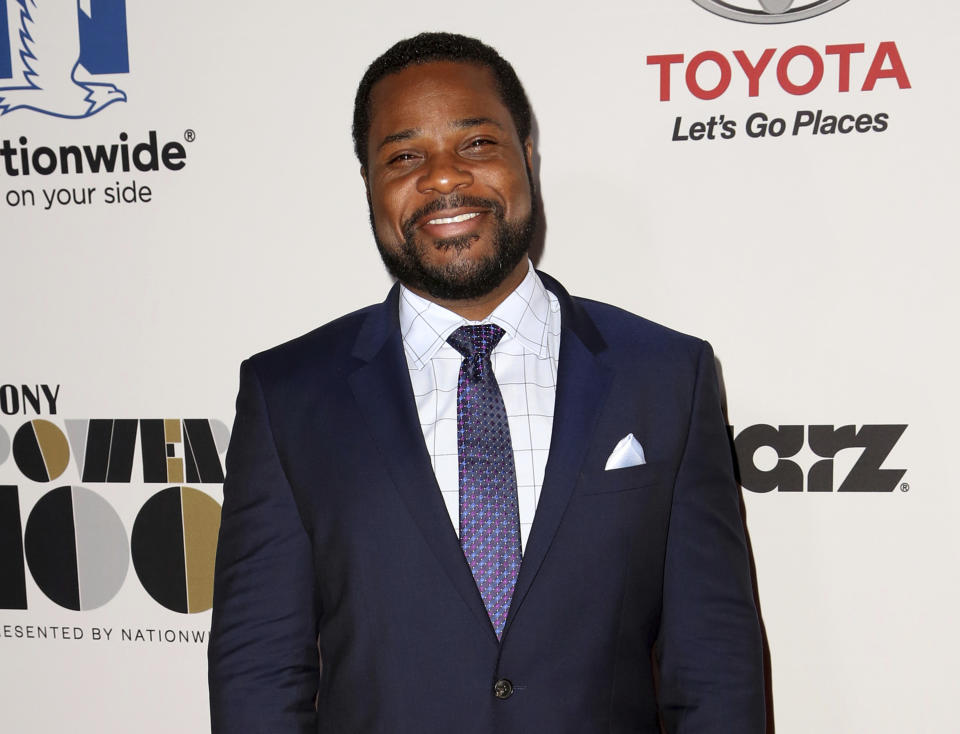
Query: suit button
(503,689)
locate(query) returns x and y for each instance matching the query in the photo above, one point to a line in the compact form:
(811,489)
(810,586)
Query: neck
(477,309)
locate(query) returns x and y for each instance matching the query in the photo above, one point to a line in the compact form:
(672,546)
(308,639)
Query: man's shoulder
(638,348)
(629,336)
(621,332)
(328,345)
(617,324)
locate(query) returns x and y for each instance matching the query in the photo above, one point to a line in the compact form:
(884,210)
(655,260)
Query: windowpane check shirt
(525,365)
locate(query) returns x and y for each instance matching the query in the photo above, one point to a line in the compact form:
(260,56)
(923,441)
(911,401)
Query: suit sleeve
(264,666)
(709,648)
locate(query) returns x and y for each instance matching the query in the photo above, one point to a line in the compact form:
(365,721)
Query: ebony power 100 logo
(75,544)
(56,55)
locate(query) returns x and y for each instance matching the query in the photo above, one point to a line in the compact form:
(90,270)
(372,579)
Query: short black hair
(428,47)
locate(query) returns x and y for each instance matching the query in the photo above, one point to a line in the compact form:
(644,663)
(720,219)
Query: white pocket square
(628,452)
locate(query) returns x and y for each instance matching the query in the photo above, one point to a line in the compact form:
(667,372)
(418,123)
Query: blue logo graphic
(51,50)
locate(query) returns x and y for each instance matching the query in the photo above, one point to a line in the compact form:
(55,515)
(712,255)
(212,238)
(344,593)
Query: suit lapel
(382,389)
(583,382)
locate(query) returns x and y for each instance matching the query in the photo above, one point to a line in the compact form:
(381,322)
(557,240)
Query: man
(493,507)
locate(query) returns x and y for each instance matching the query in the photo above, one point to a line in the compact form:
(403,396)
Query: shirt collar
(523,315)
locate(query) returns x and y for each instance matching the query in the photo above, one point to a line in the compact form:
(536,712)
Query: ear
(528,154)
(366,181)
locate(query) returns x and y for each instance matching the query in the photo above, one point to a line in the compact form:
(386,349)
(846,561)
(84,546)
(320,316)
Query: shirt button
(503,689)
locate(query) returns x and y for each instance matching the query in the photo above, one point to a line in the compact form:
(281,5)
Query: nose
(443,175)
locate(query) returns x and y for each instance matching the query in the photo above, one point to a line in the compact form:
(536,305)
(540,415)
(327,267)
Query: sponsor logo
(70,59)
(76,548)
(868,447)
(799,70)
(125,156)
(147,155)
(769,11)
(104,449)
(15,399)
(54,56)
(72,541)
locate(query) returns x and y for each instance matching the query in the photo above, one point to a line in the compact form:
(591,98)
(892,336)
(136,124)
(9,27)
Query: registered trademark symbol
(189,135)
(905,487)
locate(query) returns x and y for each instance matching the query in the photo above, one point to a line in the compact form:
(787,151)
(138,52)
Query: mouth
(452,222)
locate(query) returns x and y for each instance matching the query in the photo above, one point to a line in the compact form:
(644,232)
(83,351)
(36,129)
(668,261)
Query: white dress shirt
(525,365)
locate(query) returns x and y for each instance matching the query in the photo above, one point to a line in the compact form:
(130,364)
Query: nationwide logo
(769,11)
(51,52)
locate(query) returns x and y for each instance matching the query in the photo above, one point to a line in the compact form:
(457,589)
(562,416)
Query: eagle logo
(769,11)
(54,80)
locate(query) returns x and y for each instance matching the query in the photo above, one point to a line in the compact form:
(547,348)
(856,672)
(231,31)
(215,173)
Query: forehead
(424,95)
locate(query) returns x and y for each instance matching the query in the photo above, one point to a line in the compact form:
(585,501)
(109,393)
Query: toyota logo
(769,11)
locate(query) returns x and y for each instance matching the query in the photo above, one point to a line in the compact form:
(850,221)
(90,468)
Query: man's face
(447,180)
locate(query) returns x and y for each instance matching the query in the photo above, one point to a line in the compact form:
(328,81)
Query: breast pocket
(627,479)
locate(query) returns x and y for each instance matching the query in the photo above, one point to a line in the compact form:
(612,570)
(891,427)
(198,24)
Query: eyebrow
(412,132)
(476,122)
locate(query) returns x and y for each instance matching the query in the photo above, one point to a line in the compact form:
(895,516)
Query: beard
(461,279)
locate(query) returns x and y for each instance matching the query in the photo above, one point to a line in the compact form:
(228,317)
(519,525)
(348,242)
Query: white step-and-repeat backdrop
(178,191)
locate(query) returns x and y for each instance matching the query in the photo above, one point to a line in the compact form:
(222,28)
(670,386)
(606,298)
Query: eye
(478,143)
(478,147)
(400,158)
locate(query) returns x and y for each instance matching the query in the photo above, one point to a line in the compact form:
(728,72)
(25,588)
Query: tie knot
(476,341)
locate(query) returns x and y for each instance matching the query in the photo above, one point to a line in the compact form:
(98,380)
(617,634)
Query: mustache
(454,201)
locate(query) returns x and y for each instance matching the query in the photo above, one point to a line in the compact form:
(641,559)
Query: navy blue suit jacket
(334,534)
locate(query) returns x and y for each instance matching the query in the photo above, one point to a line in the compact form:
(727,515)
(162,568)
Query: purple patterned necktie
(489,519)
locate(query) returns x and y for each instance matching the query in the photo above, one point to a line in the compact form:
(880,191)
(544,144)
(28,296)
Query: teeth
(451,220)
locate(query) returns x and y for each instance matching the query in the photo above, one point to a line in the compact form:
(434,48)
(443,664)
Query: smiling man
(448,177)
(482,505)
